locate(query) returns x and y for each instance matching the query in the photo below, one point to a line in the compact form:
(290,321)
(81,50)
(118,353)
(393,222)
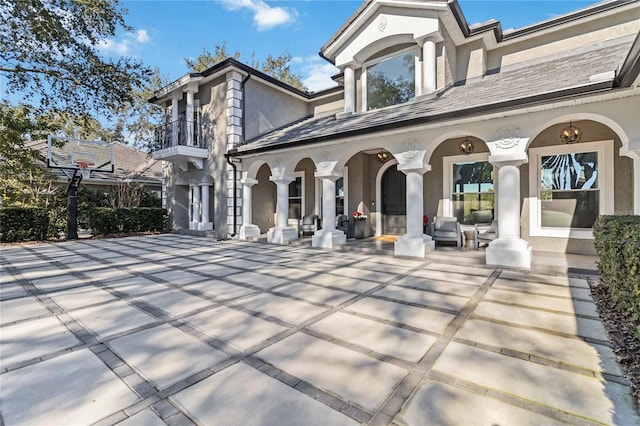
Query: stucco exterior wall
(470,60)
(445,61)
(603,29)
(623,174)
(308,168)
(267,108)
(328,106)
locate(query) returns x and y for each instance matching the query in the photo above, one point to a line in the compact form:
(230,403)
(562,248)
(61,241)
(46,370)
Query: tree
(278,67)
(49,54)
(207,59)
(23,181)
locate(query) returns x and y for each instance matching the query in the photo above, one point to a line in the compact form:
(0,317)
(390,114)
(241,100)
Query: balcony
(180,142)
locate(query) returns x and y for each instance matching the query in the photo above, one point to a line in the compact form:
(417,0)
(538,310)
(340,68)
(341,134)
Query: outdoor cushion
(479,216)
(447,225)
(446,234)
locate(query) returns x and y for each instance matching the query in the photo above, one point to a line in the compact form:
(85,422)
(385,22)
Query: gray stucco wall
(267,108)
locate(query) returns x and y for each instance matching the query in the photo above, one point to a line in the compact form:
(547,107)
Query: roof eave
(461,113)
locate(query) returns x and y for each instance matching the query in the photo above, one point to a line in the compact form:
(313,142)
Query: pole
(72,206)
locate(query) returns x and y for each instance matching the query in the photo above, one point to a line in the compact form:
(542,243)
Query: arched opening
(394,201)
(263,200)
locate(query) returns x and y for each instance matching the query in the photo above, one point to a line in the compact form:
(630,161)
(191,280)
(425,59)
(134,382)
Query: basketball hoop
(84,169)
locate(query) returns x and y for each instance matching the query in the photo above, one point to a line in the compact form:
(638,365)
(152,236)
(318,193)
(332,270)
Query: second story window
(390,81)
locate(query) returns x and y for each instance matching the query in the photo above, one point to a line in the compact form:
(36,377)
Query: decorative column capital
(329,175)
(411,169)
(248,182)
(281,179)
(515,159)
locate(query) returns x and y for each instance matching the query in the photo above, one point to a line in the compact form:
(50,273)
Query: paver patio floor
(172,329)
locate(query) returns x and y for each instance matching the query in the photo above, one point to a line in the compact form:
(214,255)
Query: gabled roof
(550,78)
(494,26)
(229,64)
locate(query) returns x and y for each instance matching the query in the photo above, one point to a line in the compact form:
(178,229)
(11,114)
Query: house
(537,128)
(130,166)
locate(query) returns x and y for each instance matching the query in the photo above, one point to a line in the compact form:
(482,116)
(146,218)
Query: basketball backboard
(77,154)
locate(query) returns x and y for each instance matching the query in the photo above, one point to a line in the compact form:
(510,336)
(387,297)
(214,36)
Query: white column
(189,118)
(509,249)
(175,126)
(349,89)
(205,221)
(328,236)
(281,233)
(195,207)
(414,243)
(633,152)
(248,230)
(428,66)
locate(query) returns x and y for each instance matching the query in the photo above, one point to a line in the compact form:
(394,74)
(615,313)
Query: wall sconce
(570,134)
(382,156)
(466,146)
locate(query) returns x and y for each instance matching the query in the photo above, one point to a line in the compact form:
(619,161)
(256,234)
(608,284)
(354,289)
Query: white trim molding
(604,149)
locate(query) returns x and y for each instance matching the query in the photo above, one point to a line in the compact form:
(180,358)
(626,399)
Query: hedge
(23,224)
(107,220)
(617,241)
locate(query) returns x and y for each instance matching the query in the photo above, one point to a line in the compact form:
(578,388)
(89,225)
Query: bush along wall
(617,241)
(23,224)
(108,220)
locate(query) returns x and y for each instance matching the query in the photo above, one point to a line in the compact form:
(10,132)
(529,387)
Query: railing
(176,133)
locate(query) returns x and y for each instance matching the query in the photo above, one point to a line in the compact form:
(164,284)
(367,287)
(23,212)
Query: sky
(165,32)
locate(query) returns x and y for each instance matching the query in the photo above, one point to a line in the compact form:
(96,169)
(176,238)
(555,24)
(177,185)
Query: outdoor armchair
(446,229)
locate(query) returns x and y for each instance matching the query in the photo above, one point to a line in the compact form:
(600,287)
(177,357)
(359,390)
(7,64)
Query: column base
(281,235)
(514,253)
(414,245)
(205,226)
(328,238)
(248,232)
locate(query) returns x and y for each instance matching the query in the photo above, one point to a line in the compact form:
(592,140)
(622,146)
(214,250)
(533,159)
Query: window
(472,195)
(340,196)
(390,81)
(569,190)
(295,198)
(570,185)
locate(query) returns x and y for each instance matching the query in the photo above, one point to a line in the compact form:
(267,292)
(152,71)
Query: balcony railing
(176,133)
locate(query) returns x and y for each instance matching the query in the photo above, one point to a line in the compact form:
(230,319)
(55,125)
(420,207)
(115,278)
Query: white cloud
(265,17)
(316,72)
(126,44)
(142,36)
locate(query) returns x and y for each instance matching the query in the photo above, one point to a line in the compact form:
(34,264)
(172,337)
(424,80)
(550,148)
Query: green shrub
(617,241)
(107,220)
(23,224)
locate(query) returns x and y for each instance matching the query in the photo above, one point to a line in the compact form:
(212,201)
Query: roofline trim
(460,113)
(630,68)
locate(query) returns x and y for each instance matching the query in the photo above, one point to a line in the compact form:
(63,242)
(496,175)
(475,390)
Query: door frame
(381,172)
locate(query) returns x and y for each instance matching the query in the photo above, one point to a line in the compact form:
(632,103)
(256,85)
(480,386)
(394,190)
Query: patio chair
(446,229)
(342,223)
(488,235)
(309,224)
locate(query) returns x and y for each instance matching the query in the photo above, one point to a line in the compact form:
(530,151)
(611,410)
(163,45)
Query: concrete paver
(238,328)
(422,318)
(294,335)
(215,400)
(46,335)
(164,355)
(343,372)
(441,404)
(382,338)
(567,391)
(20,309)
(112,318)
(71,389)
(560,323)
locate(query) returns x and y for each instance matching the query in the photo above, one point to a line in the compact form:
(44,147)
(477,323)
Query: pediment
(385,24)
